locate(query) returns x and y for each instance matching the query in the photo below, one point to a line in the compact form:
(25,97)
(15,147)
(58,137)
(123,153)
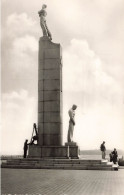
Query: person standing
(71,113)
(115,155)
(111,157)
(25,148)
(103,150)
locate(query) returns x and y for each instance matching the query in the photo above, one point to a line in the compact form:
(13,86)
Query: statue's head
(42,11)
(74,107)
(44,6)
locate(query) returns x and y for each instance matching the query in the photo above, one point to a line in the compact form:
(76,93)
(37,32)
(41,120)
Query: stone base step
(75,164)
(49,163)
(58,167)
(67,161)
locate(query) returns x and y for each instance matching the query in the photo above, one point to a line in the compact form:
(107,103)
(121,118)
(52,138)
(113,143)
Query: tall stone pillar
(50,105)
(49,93)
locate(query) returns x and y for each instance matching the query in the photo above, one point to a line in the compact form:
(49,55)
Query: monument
(50,133)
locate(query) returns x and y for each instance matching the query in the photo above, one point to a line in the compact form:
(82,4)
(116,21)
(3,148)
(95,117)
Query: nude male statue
(71,113)
(42,14)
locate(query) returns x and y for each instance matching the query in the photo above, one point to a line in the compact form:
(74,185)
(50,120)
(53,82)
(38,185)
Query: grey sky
(91,35)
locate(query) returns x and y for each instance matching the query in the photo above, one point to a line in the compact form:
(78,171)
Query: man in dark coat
(115,155)
(103,150)
(111,157)
(25,148)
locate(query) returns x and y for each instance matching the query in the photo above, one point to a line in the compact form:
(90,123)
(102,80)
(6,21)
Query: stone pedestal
(50,104)
(70,144)
(61,152)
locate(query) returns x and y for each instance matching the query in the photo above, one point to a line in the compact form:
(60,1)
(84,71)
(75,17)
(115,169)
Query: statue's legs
(44,29)
(70,131)
(49,33)
(103,154)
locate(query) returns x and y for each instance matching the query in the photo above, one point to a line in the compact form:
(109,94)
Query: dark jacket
(115,155)
(25,145)
(102,147)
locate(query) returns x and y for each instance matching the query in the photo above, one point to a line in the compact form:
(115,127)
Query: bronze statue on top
(42,14)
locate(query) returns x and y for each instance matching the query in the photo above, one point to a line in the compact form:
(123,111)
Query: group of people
(113,155)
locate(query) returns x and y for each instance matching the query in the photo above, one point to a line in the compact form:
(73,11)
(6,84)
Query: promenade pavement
(61,182)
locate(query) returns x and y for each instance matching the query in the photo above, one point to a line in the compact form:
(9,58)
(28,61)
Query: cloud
(75,58)
(83,68)
(18,24)
(19,112)
(21,63)
(19,51)
(22,44)
(22,54)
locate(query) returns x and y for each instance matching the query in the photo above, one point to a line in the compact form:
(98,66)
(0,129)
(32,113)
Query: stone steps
(55,161)
(45,162)
(70,164)
(55,164)
(58,167)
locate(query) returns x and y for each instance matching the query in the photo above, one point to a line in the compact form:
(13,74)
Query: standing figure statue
(71,113)
(42,14)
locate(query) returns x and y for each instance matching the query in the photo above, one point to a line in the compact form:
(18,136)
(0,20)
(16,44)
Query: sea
(96,157)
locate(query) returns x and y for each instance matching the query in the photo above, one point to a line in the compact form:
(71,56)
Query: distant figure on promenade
(25,148)
(42,14)
(115,155)
(103,149)
(71,113)
(111,157)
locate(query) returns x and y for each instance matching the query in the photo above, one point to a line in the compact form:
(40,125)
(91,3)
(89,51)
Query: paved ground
(61,182)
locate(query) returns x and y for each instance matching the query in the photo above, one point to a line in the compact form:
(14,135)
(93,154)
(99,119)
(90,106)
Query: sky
(91,33)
